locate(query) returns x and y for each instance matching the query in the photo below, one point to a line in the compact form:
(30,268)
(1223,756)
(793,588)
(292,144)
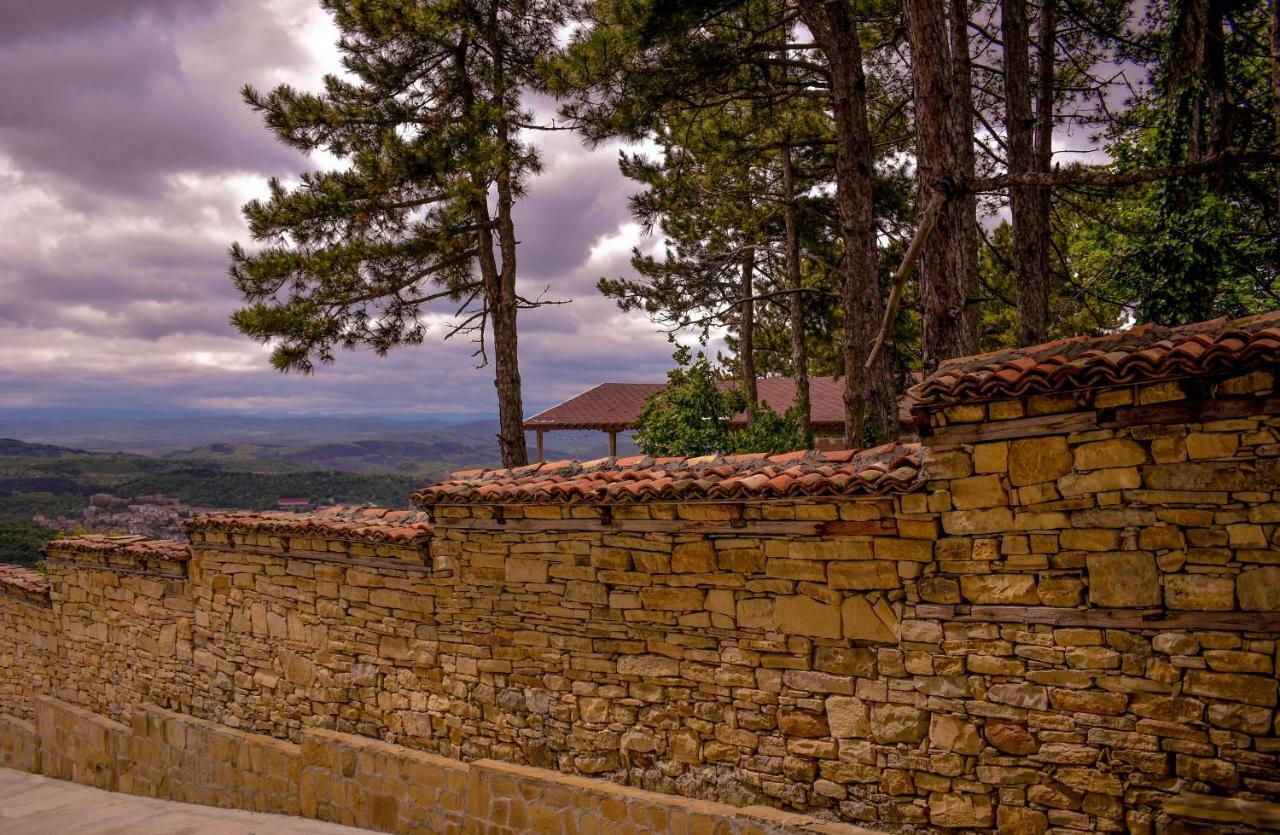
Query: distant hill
(57,481)
(427,448)
(51,466)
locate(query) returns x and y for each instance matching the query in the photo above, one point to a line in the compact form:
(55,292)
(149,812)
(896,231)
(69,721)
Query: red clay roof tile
(24,581)
(892,468)
(139,547)
(1145,353)
(378,524)
(614,407)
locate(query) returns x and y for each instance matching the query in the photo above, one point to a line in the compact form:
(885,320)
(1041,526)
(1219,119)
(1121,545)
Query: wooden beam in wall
(1103,618)
(674,526)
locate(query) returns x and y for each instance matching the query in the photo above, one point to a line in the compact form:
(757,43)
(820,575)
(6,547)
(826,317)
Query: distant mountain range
(427,447)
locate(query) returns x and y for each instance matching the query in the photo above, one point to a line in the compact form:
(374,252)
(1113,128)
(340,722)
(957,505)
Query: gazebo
(613,407)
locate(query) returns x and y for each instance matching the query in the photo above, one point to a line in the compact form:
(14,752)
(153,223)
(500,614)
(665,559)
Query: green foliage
(426,119)
(1077,305)
(1183,249)
(769,431)
(692,416)
(21,541)
(52,505)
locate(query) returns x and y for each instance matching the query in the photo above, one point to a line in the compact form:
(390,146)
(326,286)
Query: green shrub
(692,417)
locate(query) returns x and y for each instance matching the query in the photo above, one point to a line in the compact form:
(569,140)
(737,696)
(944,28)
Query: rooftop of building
(614,407)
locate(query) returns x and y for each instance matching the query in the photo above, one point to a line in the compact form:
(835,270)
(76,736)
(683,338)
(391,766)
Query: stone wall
(28,640)
(1070,621)
(357,781)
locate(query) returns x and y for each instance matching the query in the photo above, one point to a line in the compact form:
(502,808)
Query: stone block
(960,811)
(1123,579)
(898,723)
(909,550)
(1259,589)
(991,458)
(1099,481)
(865,621)
(1114,452)
(863,575)
(1233,687)
(1028,696)
(1090,539)
(756,613)
(999,588)
(948,464)
(1011,739)
(1019,820)
(648,666)
(526,571)
(662,598)
(847,717)
(955,734)
(802,723)
(802,615)
(1034,460)
(978,491)
(1202,445)
(1200,592)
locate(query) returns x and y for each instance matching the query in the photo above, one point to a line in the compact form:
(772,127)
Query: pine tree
(634,62)
(428,125)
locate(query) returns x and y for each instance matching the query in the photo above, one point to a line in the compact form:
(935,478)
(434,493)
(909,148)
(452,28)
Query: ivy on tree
(427,125)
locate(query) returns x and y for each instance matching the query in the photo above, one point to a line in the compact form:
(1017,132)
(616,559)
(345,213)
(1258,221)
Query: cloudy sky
(125,154)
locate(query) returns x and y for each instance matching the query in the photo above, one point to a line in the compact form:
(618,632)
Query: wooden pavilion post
(541,459)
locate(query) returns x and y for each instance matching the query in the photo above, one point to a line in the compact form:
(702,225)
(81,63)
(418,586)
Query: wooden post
(613,444)
(540,458)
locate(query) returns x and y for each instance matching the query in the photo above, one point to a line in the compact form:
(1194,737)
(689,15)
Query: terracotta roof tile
(614,407)
(1141,354)
(24,581)
(377,524)
(139,547)
(892,468)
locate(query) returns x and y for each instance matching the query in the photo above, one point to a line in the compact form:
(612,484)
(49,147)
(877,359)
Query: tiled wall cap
(377,524)
(1145,353)
(892,468)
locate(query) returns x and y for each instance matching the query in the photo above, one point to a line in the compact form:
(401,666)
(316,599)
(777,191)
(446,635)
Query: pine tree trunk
(507,381)
(1030,233)
(1275,85)
(1198,62)
(501,305)
(945,271)
(962,121)
(1045,91)
(506,362)
(747,333)
(799,348)
(870,407)
(504,305)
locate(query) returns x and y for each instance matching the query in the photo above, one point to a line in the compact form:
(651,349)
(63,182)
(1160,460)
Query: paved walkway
(35,805)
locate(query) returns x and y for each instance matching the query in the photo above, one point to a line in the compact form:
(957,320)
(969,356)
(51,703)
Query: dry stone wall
(28,641)
(1070,623)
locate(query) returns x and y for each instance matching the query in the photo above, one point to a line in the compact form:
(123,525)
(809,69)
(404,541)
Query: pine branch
(1102,176)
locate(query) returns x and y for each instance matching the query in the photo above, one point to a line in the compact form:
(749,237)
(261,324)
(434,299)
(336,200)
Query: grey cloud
(121,123)
(52,19)
(111,109)
(580,197)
